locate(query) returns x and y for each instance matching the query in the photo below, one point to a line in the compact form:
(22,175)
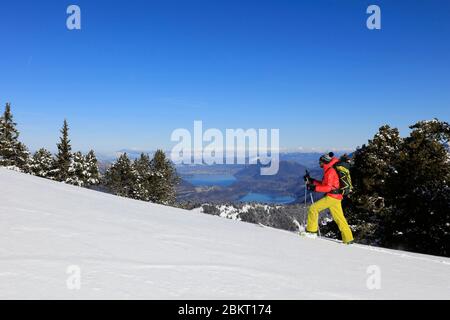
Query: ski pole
(306,196)
(306,211)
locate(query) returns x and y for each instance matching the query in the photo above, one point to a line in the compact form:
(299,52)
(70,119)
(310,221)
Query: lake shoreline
(228,186)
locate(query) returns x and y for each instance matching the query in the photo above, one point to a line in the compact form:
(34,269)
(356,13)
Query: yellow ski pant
(335,207)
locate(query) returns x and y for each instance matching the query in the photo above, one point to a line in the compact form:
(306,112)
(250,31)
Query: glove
(310,180)
(311,187)
(306,177)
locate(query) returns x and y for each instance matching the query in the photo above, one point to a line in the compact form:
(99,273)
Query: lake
(226,180)
(209,180)
(266,198)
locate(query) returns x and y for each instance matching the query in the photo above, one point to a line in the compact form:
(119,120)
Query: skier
(332,200)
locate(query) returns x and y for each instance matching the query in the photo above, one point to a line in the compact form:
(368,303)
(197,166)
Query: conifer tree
(410,179)
(64,155)
(12,152)
(93,174)
(42,164)
(164,179)
(23,158)
(421,221)
(143,173)
(374,164)
(77,173)
(120,178)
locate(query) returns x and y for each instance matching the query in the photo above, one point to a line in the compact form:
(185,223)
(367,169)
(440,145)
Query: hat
(327,157)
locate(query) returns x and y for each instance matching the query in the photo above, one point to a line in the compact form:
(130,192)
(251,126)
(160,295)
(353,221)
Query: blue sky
(137,70)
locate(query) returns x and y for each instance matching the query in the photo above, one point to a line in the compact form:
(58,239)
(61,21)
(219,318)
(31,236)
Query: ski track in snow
(130,249)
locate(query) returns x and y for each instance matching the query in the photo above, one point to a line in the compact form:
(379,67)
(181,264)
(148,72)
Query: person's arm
(323,188)
(331,185)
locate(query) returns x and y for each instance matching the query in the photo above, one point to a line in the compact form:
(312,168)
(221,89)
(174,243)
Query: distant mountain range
(308,159)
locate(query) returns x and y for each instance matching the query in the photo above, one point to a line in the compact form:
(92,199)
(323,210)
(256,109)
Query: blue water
(209,180)
(266,198)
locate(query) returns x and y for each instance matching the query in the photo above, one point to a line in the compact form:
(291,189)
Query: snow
(131,249)
(229,212)
(233,212)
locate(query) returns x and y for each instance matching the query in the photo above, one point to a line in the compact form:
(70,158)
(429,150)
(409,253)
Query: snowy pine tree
(421,221)
(164,179)
(93,174)
(64,155)
(401,197)
(378,161)
(77,173)
(13,153)
(374,164)
(42,164)
(120,178)
(23,158)
(143,173)
(8,138)
(83,170)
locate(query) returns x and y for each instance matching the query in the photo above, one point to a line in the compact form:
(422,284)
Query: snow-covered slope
(131,249)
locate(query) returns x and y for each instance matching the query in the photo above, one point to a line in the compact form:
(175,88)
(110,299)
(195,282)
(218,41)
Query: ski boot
(307,234)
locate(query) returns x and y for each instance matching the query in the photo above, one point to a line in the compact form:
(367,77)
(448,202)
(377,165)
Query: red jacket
(330,180)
